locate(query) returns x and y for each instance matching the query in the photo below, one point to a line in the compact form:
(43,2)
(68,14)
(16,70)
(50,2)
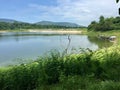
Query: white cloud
(80,11)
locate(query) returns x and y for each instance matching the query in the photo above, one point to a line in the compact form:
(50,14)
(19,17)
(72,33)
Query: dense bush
(86,71)
(105,24)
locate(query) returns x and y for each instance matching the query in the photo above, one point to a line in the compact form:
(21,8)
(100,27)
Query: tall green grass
(98,70)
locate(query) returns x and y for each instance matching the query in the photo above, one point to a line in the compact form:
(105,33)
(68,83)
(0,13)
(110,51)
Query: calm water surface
(17,46)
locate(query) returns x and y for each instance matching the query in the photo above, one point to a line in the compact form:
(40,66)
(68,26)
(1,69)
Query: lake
(17,47)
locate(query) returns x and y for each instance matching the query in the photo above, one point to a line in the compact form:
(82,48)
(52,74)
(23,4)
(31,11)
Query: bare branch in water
(68,45)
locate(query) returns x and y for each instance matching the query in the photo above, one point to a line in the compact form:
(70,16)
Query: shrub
(76,71)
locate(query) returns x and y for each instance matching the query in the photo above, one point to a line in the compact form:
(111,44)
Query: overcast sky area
(77,11)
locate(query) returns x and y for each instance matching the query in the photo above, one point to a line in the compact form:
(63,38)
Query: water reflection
(31,46)
(100,43)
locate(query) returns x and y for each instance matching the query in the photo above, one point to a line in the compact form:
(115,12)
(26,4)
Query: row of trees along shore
(105,24)
(21,25)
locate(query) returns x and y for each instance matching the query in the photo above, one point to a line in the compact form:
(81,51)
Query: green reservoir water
(17,47)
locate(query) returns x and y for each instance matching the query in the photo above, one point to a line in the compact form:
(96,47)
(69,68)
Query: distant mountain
(7,20)
(67,24)
(10,20)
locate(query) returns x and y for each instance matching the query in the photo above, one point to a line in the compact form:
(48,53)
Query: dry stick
(69,39)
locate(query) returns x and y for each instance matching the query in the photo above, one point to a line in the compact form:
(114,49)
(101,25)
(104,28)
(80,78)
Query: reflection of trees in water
(15,38)
(99,42)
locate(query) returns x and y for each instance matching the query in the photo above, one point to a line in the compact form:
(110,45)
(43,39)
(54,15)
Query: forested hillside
(7,24)
(17,25)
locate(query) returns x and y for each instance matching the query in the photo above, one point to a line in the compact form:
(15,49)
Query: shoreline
(47,31)
(56,31)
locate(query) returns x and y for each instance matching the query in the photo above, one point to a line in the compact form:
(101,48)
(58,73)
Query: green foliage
(99,70)
(23,77)
(105,24)
(105,85)
(21,25)
(82,83)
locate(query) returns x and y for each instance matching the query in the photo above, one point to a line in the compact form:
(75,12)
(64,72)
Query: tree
(93,25)
(101,20)
(105,24)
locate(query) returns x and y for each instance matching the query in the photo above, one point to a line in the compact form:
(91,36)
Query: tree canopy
(105,24)
(21,25)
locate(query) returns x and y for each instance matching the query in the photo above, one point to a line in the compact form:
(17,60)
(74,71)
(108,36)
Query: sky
(77,11)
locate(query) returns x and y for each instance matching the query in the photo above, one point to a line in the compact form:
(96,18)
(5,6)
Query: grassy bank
(106,33)
(99,70)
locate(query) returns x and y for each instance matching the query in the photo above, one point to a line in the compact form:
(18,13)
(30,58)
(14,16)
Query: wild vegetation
(99,70)
(105,24)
